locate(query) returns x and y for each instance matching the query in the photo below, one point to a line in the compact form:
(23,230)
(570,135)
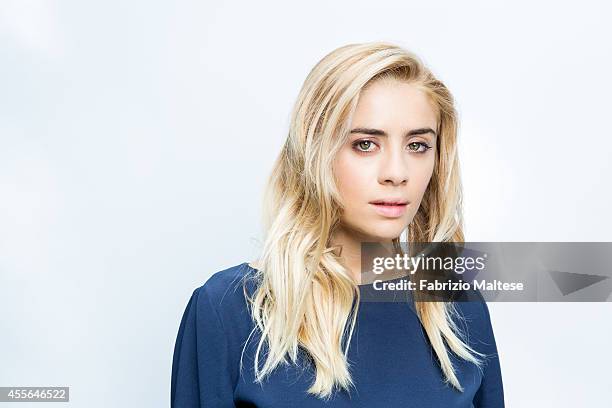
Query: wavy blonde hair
(305,297)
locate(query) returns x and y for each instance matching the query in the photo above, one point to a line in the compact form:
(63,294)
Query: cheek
(421,176)
(351,178)
(425,175)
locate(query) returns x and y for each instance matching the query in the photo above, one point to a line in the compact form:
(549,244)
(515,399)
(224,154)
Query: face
(384,168)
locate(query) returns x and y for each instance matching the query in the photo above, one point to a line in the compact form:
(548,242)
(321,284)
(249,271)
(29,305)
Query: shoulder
(213,329)
(476,323)
(223,295)
(221,283)
(225,287)
(473,306)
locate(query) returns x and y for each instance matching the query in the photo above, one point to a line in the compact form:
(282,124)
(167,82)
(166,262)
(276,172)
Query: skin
(373,167)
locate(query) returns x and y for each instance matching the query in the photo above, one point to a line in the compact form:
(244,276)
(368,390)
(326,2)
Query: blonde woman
(371,154)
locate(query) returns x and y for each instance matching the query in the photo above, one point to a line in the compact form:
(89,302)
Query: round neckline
(361,285)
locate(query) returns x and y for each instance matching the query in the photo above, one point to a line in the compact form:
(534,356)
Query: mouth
(390,208)
(389,202)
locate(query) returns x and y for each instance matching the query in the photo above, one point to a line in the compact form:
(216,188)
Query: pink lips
(392,209)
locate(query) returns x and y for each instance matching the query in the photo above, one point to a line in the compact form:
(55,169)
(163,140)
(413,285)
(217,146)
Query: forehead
(394,104)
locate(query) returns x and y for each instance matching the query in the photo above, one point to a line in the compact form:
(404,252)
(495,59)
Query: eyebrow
(378,132)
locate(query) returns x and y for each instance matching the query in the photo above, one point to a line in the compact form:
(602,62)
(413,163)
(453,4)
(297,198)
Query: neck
(350,242)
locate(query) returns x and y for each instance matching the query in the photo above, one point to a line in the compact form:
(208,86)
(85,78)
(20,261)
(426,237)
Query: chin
(385,233)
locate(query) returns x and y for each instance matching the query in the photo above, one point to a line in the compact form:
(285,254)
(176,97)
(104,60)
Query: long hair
(305,298)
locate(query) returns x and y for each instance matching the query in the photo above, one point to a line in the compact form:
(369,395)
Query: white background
(136,136)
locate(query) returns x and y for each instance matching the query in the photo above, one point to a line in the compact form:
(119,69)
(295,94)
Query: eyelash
(357,142)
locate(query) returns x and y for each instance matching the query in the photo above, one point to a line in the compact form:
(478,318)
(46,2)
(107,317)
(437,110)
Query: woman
(371,154)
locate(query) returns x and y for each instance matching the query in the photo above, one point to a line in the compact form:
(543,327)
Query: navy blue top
(391,360)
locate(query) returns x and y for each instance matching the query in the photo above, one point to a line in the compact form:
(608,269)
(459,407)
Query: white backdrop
(136,136)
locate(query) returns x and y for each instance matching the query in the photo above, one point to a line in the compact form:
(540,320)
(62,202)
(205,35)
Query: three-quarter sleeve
(200,370)
(490,394)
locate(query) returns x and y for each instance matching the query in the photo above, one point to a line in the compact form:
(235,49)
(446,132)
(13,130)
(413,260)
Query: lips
(389,202)
(390,208)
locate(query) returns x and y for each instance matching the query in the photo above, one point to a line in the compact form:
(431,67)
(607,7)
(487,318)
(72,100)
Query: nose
(394,168)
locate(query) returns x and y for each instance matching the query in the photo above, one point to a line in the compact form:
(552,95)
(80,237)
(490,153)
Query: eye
(364,146)
(418,147)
